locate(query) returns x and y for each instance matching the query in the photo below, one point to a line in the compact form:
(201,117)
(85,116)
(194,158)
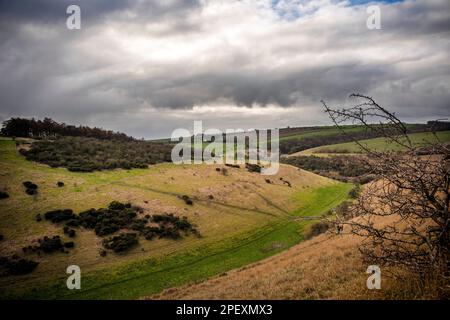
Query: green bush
(354,193)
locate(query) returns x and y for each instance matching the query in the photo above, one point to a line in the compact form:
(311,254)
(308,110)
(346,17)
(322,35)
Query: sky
(147,67)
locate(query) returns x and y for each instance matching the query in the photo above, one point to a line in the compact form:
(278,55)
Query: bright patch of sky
(294,9)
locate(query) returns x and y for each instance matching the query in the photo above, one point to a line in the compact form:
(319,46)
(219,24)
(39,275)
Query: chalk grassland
(378,144)
(318,132)
(247,220)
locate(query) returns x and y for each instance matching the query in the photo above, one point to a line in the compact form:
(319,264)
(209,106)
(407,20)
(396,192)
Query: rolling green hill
(379,144)
(241,218)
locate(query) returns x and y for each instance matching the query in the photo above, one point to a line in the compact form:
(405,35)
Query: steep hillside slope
(328,266)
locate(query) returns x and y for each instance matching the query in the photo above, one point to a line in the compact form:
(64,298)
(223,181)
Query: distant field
(376,144)
(248,220)
(320,132)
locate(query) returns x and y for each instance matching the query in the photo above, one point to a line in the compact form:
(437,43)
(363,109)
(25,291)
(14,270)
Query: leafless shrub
(404,215)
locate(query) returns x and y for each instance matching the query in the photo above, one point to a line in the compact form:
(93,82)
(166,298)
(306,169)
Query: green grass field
(379,144)
(320,132)
(247,221)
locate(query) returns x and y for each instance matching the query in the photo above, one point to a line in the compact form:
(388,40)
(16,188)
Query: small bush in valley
(253,167)
(187,200)
(70,232)
(30,185)
(60,184)
(354,193)
(236,166)
(46,245)
(56,216)
(31,188)
(17,266)
(69,244)
(3,195)
(116,205)
(317,228)
(31,192)
(169,232)
(121,243)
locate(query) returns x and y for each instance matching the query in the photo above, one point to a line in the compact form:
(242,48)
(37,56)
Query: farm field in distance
(240,216)
(378,144)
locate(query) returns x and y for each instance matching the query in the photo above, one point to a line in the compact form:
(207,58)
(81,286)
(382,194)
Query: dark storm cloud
(132,56)
(53,11)
(251,88)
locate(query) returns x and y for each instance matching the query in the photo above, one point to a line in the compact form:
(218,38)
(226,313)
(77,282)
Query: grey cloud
(85,76)
(52,11)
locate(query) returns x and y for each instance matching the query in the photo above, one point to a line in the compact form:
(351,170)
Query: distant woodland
(48,129)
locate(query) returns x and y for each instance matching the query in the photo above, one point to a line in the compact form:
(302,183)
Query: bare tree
(403,216)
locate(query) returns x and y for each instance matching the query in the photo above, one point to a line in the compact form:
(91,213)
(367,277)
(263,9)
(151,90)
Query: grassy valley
(235,211)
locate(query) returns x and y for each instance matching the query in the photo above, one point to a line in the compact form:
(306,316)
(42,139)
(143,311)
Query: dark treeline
(296,145)
(48,128)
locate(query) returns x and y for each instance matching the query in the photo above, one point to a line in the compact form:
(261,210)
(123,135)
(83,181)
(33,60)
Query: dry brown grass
(328,266)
